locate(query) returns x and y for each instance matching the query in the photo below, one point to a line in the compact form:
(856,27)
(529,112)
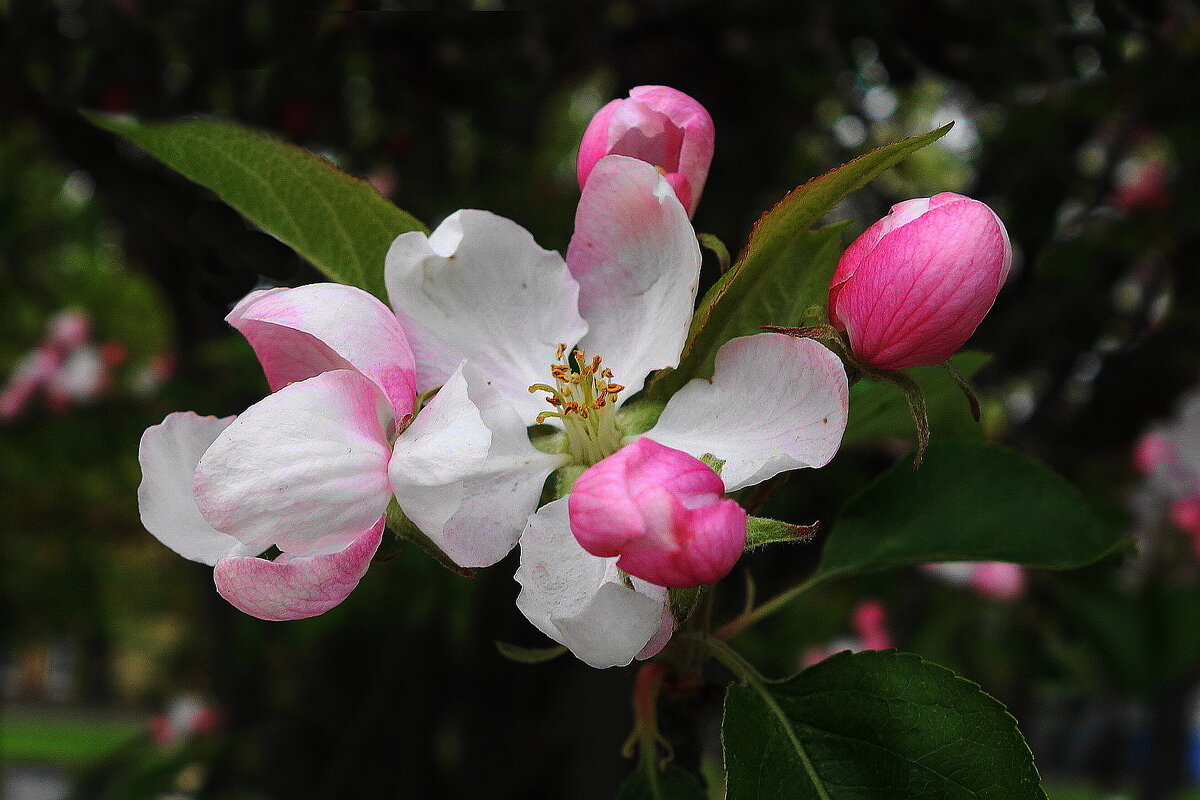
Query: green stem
(646,687)
(751,677)
(776,603)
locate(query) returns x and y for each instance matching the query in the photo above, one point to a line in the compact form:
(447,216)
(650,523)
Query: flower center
(584,397)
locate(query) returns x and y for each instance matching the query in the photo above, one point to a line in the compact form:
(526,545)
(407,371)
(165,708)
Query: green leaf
(878,408)
(529,655)
(782,275)
(873,726)
(672,784)
(785,289)
(338,222)
(966,503)
(760,531)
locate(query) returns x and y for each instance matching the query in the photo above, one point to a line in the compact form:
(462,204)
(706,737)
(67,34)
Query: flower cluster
(497,402)
(66,367)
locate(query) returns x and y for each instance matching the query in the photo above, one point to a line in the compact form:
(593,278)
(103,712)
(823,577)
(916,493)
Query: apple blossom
(479,293)
(999,580)
(995,579)
(914,286)
(303,470)
(869,621)
(659,125)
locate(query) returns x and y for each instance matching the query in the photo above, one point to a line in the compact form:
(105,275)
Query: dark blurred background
(126,676)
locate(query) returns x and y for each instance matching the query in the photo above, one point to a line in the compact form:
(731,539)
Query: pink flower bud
(917,283)
(998,580)
(657,124)
(662,511)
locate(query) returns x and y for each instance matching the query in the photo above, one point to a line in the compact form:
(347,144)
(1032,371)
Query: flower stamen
(585,397)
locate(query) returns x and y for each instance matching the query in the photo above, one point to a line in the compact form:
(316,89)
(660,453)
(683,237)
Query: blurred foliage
(1059,106)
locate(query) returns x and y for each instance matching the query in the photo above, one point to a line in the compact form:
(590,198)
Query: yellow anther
(613,388)
(606,373)
(562,348)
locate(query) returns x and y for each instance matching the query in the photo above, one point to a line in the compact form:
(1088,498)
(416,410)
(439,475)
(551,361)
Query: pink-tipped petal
(914,290)
(594,144)
(662,512)
(635,256)
(579,600)
(481,289)
(295,587)
(659,125)
(774,403)
(168,454)
(465,473)
(304,469)
(302,332)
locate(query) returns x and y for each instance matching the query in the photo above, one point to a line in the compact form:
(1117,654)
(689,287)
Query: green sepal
(760,531)
(640,416)
(684,603)
(405,530)
(565,477)
(717,248)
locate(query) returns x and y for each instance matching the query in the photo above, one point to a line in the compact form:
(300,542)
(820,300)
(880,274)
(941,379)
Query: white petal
(168,454)
(479,288)
(635,256)
(304,469)
(578,599)
(465,473)
(774,403)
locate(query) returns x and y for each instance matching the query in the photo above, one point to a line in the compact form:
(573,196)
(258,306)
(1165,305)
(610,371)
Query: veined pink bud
(659,125)
(917,283)
(662,511)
